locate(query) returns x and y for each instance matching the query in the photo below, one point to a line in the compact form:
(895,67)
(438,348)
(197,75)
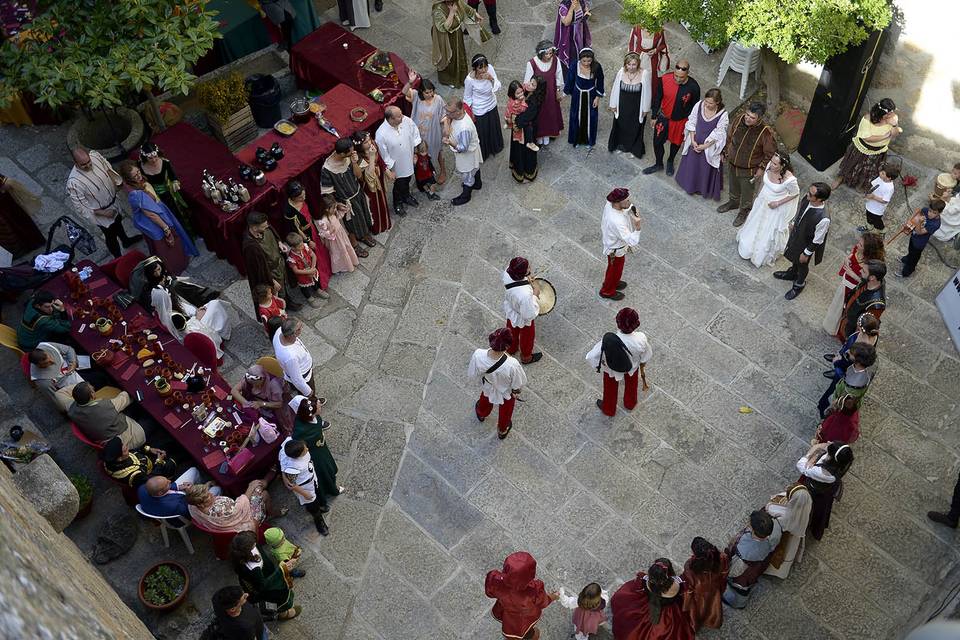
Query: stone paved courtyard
(435,500)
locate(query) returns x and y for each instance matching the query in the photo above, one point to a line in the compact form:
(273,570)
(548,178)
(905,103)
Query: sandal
(370,242)
(361,252)
(290,614)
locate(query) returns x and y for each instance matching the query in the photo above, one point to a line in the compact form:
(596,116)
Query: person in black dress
(159,173)
(523,159)
(630,103)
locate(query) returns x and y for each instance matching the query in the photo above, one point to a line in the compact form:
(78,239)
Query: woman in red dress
(372,181)
(705,574)
(650,607)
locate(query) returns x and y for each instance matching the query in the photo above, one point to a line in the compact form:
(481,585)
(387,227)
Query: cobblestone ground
(435,500)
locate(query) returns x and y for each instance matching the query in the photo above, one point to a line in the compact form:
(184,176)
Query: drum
(945,184)
(547,297)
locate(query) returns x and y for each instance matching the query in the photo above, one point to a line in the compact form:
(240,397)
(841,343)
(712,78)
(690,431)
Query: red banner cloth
(320,61)
(191,152)
(188,435)
(305,151)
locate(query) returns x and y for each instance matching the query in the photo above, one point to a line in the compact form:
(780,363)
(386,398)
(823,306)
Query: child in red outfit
(517,104)
(271,309)
(423,172)
(520,596)
(303,262)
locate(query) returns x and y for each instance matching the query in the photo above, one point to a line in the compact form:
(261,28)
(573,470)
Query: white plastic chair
(162,521)
(743,60)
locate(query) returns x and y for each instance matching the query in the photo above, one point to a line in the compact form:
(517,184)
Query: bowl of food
(285,128)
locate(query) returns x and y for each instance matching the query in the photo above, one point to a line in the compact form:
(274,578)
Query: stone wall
(47,587)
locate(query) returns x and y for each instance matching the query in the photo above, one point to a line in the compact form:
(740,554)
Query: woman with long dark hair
(650,607)
(546,67)
(159,172)
(822,470)
(763,236)
(869,246)
(572,32)
(480,93)
(261,576)
(524,160)
(868,149)
(584,84)
(705,575)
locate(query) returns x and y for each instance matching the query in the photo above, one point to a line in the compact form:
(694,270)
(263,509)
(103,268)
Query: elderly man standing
(102,420)
(397,138)
(460,134)
(750,145)
(92,187)
(265,261)
(294,358)
(619,231)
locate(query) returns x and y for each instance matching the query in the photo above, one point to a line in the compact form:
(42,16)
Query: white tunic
(519,304)
(637,345)
(499,385)
(466,147)
(543,67)
(94,189)
(617,232)
(481,95)
(302,468)
(718,136)
(397,145)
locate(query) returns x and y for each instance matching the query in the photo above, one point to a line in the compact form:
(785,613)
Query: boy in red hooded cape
(520,596)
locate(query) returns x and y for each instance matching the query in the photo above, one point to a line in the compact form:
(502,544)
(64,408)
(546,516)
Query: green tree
(100,54)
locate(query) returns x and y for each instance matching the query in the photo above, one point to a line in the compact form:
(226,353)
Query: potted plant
(225,100)
(101,57)
(85,490)
(164,586)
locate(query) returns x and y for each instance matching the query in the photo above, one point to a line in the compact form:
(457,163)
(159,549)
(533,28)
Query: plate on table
(285,128)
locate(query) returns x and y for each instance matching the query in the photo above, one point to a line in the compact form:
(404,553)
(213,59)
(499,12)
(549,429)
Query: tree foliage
(808,30)
(101,53)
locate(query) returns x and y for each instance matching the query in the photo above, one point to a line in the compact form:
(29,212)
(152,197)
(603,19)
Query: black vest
(804,228)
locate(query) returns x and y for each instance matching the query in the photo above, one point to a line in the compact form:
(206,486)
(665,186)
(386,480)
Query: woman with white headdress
(792,509)
(822,470)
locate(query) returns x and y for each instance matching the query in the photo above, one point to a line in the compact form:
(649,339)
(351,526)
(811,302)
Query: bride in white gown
(763,237)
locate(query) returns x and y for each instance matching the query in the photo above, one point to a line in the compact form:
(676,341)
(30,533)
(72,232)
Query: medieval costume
(862,160)
(266,264)
(824,480)
(808,237)
(167,186)
(839,426)
(588,613)
(481,96)
(520,596)
(749,149)
(373,186)
(152,272)
(355,13)
(702,603)
(851,273)
(864,300)
(571,38)
(325,468)
(501,379)
(524,160)
(546,66)
(791,508)
(618,234)
(636,617)
(467,158)
(671,106)
(176,256)
(585,87)
(449,55)
(259,385)
(918,241)
(764,234)
(620,356)
(264,579)
(630,102)
(521,307)
(749,558)
(338,179)
(491,7)
(300,220)
(700,172)
(652,48)
(134,469)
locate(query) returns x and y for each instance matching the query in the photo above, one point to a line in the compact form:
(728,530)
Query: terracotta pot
(104,326)
(168,402)
(176,602)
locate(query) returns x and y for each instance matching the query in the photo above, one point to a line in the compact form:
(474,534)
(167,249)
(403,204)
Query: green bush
(163,585)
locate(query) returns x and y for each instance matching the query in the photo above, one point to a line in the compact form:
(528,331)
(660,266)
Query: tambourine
(358,114)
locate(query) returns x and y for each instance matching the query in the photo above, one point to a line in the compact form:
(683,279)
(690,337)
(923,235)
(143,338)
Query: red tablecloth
(130,377)
(320,61)
(305,151)
(191,152)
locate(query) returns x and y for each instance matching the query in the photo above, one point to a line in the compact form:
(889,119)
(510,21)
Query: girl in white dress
(763,237)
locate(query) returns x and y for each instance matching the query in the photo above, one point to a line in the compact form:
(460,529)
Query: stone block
(673,375)
(411,552)
(427,313)
(321,350)
(532,473)
(572,564)
(386,398)
(551,432)
(851,617)
(248,341)
(721,409)
(711,355)
(678,427)
(483,281)
(732,284)
(391,287)
(339,381)
(326,599)
(408,361)
(379,450)
(659,519)
(577,262)
(352,524)
(433,504)
(350,286)
(485,547)
(696,304)
(584,515)
(749,339)
(623,549)
(555,384)
(462,598)
(337,326)
(448,455)
(600,473)
(371,334)
(49,491)
(449,248)
(778,403)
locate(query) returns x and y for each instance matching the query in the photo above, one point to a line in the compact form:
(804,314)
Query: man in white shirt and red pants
(619,230)
(521,306)
(634,350)
(501,379)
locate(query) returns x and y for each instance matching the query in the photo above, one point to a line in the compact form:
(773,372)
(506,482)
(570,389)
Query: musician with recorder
(521,305)
(924,223)
(501,380)
(620,232)
(620,356)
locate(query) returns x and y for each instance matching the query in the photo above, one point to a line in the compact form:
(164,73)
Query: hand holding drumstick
(533,283)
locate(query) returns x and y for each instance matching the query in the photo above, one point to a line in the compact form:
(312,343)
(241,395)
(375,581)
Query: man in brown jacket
(265,261)
(750,145)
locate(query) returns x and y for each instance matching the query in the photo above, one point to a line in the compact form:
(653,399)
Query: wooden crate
(237,130)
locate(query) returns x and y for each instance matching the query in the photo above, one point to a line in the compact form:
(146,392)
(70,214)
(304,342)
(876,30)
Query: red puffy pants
(611,389)
(523,338)
(484,407)
(613,275)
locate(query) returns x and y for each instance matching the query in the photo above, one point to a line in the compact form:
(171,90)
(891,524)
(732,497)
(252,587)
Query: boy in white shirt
(501,378)
(879,196)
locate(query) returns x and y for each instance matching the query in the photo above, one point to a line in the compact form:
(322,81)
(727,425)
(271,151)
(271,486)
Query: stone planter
(96,133)
(235,131)
(177,601)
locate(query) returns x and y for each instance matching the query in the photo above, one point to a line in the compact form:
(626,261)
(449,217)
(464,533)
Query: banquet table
(190,152)
(321,60)
(130,377)
(305,151)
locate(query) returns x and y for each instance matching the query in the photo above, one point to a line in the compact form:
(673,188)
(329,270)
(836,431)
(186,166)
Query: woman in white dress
(763,237)
(792,509)
(214,319)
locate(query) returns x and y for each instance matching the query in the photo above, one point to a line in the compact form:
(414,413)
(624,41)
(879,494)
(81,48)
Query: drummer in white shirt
(619,230)
(521,306)
(501,379)
(620,356)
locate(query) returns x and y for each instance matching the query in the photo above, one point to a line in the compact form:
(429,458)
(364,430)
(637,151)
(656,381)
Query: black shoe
(503,434)
(399,210)
(729,206)
(322,527)
(829,357)
(793,293)
(378,5)
(828,374)
(325,508)
(784,275)
(297,573)
(477,182)
(903,259)
(534,357)
(463,198)
(669,167)
(132,241)
(654,169)
(492,12)
(324,424)
(741,218)
(477,414)
(621,285)
(616,296)
(410,200)
(432,196)
(942,518)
